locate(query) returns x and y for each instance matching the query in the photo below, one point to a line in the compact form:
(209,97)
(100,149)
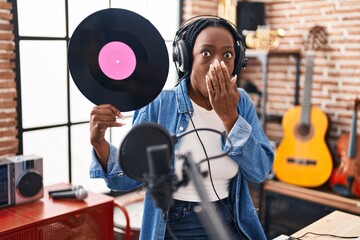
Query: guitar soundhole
(303,162)
(304,130)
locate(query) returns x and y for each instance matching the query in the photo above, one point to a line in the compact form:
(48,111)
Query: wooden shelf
(319,196)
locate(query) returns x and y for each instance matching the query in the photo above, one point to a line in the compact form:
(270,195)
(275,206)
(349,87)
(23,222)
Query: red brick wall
(336,77)
(199,7)
(8,115)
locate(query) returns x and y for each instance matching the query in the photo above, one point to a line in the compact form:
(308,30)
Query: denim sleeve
(250,148)
(114,176)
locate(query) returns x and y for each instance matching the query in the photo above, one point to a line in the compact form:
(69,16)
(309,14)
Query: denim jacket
(251,150)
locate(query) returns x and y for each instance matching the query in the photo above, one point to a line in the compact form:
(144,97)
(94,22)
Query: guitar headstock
(356,103)
(317,39)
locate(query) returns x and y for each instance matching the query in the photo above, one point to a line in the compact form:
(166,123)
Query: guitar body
(345,179)
(303,157)
(349,168)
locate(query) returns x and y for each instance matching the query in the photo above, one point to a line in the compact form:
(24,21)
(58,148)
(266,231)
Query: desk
(59,219)
(336,223)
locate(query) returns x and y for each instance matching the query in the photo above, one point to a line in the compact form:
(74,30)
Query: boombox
(21,179)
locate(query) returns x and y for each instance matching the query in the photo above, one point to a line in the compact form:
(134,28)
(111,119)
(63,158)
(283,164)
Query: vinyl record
(117,56)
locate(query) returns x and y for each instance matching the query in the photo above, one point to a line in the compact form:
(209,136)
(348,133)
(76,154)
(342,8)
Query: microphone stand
(214,227)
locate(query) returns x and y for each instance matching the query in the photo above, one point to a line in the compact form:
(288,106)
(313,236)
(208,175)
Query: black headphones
(182,55)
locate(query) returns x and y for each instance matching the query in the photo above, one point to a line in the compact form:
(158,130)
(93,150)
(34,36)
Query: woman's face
(211,43)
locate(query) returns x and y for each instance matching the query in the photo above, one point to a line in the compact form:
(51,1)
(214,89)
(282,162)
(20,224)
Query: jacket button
(181,129)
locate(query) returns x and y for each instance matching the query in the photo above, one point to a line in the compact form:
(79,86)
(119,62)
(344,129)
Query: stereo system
(21,179)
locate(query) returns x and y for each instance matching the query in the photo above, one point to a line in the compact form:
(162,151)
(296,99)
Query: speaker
(249,15)
(182,54)
(21,179)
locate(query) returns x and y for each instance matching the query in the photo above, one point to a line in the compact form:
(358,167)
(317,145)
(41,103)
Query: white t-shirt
(222,169)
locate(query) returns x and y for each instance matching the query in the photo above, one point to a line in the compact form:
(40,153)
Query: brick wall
(336,77)
(8,114)
(199,7)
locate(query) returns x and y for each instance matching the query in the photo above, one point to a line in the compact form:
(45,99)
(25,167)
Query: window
(54,117)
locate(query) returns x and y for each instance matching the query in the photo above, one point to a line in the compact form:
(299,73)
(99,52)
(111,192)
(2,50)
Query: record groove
(117,56)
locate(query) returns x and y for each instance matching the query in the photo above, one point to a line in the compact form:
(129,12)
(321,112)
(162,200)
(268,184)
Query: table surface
(18,216)
(336,223)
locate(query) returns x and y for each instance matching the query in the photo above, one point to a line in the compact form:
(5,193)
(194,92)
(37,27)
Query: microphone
(65,190)
(78,194)
(145,155)
(161,182)
(133,149)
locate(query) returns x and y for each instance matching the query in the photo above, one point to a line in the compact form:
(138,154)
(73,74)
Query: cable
(210,130)
(209,158)
(322,234)
(208,163)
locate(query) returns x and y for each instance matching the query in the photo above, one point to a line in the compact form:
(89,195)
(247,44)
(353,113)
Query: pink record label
(117,60)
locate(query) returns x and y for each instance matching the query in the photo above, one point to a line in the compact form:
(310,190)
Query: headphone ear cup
(241,60)
(244,62)
(182,56)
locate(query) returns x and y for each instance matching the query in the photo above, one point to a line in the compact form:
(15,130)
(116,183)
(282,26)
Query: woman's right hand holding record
(101,118)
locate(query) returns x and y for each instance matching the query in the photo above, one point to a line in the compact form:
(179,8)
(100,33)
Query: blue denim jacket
(251,151)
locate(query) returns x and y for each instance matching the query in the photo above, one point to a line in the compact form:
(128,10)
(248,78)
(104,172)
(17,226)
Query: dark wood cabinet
(289,208)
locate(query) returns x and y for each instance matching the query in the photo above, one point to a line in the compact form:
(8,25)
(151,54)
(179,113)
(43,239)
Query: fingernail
(211,67)
(223,64)
(121,116)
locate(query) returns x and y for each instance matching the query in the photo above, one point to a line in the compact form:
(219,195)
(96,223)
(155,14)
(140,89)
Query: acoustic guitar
(303,157)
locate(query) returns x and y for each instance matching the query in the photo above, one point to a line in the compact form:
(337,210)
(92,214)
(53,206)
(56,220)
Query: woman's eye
(205,54)
(228,55)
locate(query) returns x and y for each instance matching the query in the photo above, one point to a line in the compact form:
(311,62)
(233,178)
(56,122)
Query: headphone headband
(207,16)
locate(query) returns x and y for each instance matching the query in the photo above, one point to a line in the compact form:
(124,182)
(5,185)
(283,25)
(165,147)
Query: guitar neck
(352,140)
(306,106)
